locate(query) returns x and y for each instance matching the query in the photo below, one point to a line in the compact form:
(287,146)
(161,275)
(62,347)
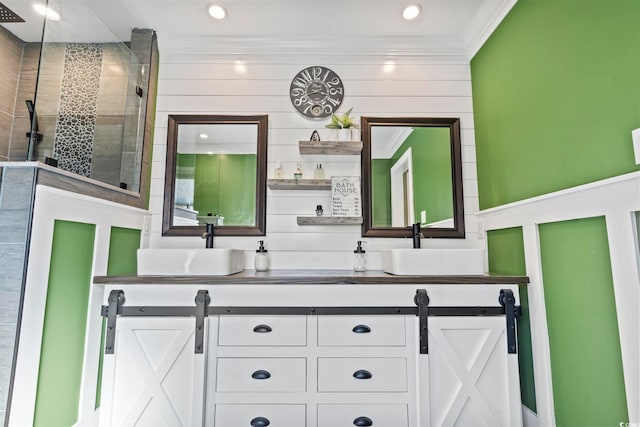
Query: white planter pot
(344,134)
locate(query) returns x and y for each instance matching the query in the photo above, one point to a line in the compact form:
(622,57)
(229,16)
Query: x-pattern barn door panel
(158,380)
(469,373)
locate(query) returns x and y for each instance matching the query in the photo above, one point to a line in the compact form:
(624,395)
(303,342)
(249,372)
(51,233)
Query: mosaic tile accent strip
(76,122)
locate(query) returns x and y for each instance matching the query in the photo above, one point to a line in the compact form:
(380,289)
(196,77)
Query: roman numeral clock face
(316,92)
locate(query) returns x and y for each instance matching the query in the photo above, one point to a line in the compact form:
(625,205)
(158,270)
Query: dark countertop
(310,277)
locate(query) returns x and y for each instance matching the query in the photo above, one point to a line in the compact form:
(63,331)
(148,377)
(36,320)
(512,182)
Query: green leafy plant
(343,121)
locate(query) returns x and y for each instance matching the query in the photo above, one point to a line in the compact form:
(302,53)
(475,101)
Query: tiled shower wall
(16,191)
(10,61)
(10,57)
(18,72)
(86,104)
(81,107)
(77,110)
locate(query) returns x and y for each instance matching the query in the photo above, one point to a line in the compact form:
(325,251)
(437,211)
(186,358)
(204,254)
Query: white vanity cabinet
(320,370)
(306,368)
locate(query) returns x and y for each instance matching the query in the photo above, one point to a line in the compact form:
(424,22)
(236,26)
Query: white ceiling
(340,27)
(218,139)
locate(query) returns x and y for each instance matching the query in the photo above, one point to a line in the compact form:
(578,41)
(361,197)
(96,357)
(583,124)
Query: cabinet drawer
(386,374)
(260,416)
(262,330)
(361,331)
(363,415)
(261,375)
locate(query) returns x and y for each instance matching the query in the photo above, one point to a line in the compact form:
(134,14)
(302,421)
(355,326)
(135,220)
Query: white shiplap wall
(430,87)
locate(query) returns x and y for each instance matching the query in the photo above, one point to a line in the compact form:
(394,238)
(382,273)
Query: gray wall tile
(13,225)
(8,89)
(9,300)
(5,134)
(7,340)
(17,188)
(10,48)
(30,58)
(19,140)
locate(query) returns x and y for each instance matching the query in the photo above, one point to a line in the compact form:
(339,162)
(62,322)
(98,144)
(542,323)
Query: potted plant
(344,125)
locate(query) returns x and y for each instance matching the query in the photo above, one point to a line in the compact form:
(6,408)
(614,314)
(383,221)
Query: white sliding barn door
(473,381)
(155,377)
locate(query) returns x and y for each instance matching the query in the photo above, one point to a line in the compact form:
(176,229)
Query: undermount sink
(181,262)
(433,262)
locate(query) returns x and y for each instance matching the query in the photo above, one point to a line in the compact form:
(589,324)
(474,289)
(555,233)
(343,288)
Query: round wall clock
(316,92)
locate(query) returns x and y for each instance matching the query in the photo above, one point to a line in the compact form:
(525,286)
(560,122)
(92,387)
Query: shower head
(7,15)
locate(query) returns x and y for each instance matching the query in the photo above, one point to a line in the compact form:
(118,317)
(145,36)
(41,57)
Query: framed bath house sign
(345,196)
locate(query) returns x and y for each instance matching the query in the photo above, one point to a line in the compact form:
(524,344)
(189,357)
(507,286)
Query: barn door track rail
(203,309)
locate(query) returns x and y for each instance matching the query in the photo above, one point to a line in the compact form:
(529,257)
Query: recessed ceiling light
(47,12)
(240,66)
(216,11)
(204,136)
(411,12)
(389,66)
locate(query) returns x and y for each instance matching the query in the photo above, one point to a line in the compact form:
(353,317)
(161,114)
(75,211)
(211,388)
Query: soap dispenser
(262,258)
(359,258)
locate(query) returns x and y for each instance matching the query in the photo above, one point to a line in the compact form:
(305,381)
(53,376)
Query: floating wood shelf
(330,147)
(299,184)
(329,220)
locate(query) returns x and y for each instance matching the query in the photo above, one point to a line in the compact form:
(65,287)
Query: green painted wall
(586,361)
(381,192)
(63,336)
(123,247)
(432,184)
(505,250)
(235,173)
(556,94)
(238,179)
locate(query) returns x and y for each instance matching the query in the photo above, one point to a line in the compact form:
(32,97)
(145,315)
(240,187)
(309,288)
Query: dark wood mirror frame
(457,231)
(259,229)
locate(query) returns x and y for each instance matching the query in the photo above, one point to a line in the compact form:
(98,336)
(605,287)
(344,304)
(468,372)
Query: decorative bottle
(297,173)
(318,172)
(278,173)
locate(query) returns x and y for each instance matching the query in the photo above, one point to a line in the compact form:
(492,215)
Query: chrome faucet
(416,234)
(208,235)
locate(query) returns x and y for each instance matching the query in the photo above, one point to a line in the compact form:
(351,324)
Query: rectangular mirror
(216,173)
(412,173)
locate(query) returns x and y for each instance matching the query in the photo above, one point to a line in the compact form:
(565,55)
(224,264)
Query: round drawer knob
(261,422)
(361,329)
(262,329)
(362,374)
(261,375)
(362,422)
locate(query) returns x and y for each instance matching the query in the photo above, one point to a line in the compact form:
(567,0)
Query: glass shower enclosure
(87,115)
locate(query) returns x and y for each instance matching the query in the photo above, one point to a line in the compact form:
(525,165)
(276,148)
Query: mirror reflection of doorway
(402,211)
(406,197)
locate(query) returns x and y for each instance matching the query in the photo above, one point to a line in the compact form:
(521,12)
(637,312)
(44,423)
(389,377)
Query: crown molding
(359,47)
(484,24)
